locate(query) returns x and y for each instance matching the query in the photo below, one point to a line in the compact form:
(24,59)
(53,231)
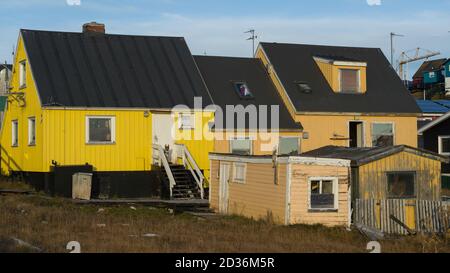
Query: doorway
(356,134)
(223,187)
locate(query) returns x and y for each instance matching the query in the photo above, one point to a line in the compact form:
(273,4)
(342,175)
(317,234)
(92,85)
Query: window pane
(243,90)
(401,185)
(382,135)
(100,130)
(349,80)
(445,145)
(289,146)
(241,146)
(32,131)
(327,187)
(315,187)
(15,133)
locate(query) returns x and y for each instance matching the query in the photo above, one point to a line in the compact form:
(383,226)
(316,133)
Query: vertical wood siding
(65,140)
(373,177)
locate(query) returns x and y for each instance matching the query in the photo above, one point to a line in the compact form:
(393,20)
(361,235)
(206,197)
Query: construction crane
(411,56)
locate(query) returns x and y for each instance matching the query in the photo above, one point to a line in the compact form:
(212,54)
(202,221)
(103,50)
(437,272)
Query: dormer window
(344,75)
(349,80)
(242,90)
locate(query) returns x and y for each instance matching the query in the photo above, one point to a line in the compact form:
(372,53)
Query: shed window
(349,79)
(289,146)
(15,133)
(23,74)
(186,121)
(444,145)
(31,131)
(242,90)
(432,74)
(401,185)
(239,171)
(382,134)
(323,193)
(100,130)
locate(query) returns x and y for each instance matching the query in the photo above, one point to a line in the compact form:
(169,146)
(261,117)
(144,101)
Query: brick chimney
(94,27)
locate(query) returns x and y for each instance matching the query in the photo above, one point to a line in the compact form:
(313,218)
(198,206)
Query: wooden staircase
(185,185)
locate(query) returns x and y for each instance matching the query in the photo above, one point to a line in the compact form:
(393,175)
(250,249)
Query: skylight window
(304,87)
(242,90)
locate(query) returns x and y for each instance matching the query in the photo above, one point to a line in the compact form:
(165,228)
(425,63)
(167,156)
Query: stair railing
(160,158)
(190,164)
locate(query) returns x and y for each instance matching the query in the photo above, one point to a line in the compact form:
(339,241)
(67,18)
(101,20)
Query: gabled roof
(220,74)
(361,156)
(105,70)
(295,63)
(429,66)
(434,123)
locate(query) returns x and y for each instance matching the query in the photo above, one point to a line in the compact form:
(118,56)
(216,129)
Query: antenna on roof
(252,38)
(392,45)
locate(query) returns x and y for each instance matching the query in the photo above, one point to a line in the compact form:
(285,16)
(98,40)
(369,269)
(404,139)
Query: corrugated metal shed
(104,70)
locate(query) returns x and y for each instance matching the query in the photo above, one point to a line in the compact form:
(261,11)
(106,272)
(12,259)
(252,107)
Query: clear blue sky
(216,26)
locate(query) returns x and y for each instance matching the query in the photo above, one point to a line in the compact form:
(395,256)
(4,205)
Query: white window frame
(393,132)
(241,138)
(113,129)
(15,133)
(287,137)
(31,129)
(440,145)
(235,178)
(23,74)
(358,76)
(189,126)
(335,192)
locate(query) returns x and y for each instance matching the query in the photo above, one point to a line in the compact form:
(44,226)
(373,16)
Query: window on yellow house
(31,131)
(401,185)
(100,130)
(186,121)
(241,146)
(349,80)
(288,146)
(15,133)
(22,74)
(239,172)
(382,134)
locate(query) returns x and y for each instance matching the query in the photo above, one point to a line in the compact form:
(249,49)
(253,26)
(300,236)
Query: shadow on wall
(7,160)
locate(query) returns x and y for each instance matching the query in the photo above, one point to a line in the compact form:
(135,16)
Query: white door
(163,131)
(223,187)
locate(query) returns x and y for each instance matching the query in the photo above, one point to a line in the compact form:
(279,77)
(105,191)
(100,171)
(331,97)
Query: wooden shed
(288,190)
(395,172)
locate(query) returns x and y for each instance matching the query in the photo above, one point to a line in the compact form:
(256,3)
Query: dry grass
(51,223)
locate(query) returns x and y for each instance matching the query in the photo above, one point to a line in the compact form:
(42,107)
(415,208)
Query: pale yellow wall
(259,197)
(299,211)
(373,179)
(322,128)
(65,140)
(23,157)
(263,143)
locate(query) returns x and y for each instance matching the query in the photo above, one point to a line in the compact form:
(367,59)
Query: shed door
(223,188)
(162,130)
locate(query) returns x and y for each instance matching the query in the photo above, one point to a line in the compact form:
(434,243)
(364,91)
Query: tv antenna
(392,46)
(252,38)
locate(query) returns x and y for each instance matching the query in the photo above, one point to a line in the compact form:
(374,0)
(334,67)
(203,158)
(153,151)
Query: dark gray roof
(104,70)
(220,73)
(295,63)
(429,66)
(361,156)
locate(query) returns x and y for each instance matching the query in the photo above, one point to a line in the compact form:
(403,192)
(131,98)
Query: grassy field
(49,224)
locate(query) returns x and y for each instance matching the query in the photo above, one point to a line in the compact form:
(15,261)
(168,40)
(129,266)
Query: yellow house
(343,96)
(250,116)
(104,103)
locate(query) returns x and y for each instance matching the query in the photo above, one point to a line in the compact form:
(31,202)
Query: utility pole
(392,46)
(253,38)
